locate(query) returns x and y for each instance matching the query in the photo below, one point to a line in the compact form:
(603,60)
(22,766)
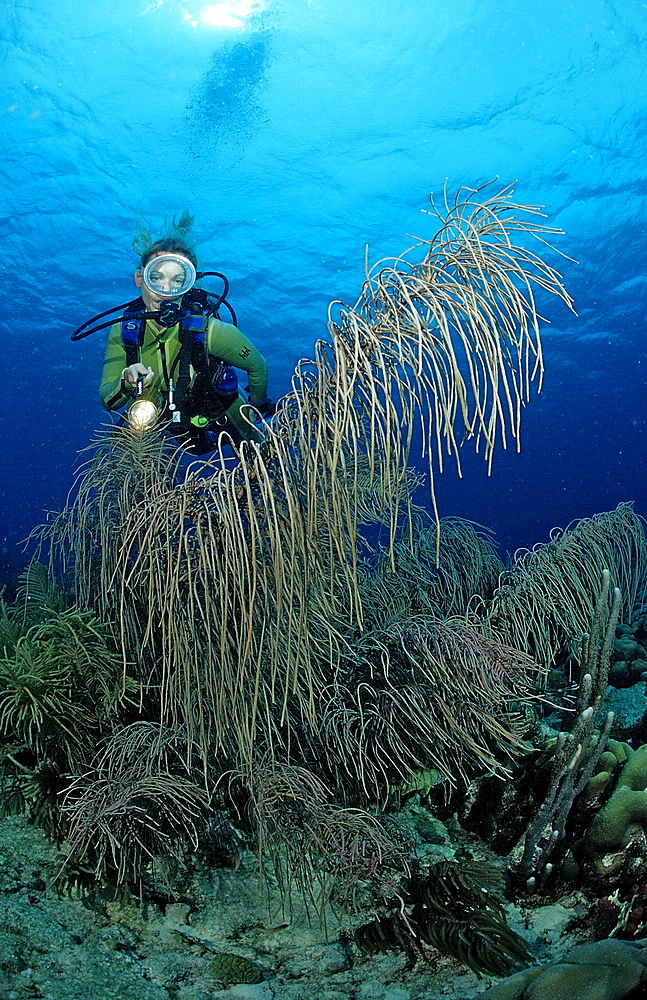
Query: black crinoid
(454,907)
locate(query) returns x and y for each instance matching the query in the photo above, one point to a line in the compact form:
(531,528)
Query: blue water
(298,131)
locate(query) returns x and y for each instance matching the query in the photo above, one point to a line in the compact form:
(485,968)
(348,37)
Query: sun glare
(224,14)
(227,14)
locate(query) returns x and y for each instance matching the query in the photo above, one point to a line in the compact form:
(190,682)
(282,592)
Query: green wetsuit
(224,340)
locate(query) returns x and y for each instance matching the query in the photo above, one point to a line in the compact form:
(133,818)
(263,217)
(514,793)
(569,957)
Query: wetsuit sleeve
(112,391)
(227,342)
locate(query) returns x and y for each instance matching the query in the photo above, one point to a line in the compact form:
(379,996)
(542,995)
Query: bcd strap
(132,335)
(198,355)
(192,353)
(192,334)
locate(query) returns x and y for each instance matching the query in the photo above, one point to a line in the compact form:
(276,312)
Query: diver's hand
(131,374)
(265,407)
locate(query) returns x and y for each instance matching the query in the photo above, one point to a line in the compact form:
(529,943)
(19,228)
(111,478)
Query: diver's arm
(113,391)
(240,416)
(227,342)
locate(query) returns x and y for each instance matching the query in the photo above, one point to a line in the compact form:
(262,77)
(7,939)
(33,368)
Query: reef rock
(605,970)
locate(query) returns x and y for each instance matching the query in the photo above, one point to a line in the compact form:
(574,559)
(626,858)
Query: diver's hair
(174,240)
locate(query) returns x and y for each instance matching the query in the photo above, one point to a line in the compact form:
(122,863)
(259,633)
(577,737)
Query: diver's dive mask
(169,276)
(170,279)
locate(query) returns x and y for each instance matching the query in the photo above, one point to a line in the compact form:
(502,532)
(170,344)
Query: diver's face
(167,280)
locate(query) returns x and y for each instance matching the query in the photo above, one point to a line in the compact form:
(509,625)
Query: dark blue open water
(298,131)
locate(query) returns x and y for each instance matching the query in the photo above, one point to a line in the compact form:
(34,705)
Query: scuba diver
(171,357)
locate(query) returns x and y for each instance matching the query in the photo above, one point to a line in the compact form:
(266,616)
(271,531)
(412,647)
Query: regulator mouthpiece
(142,415)
(169,276)
(170,313)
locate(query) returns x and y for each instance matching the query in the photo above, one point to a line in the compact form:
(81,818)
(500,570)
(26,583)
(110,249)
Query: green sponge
(625,812)
(615,753)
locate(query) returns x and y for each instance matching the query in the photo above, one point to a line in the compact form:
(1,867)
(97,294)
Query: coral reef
(330,853)
(615,753)
(138,804)
(302,640)
(239,587)
(622,819)
(629,658)
(623,913)
(576,754)
(453,907)
(547,595)
(90,948)
(228,968)
(62,689)
(605,970)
